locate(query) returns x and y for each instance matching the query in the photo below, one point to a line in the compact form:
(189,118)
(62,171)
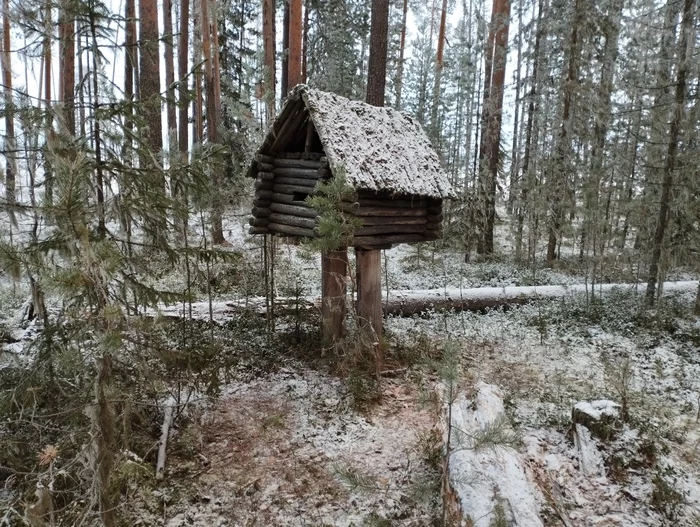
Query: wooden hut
(384,155)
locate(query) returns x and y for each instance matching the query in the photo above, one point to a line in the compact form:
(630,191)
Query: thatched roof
(378,149)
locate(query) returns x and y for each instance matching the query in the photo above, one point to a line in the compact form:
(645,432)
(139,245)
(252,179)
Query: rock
(601,418)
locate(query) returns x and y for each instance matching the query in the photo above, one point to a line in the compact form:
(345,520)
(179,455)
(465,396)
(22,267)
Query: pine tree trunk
(149,79)
(400,66)
(685,52)
(99,177)
(295,38)
(558,188)
(489,152)
(10,143)
(514,159)
(435,109)
(198,73)
(284,76)
(269,49)
(182,72)
(130,59)
(170,76)
(66,30)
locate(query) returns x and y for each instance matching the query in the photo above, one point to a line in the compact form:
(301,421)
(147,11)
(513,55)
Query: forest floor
(294,442)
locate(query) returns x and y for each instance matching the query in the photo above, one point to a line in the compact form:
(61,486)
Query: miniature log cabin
(384,155)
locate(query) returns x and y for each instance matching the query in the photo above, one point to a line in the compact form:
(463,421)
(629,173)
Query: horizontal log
(263,195)
(298,163)
(296,210)
(292,189)
(262,158)
(393,220)
(261,203)
(258,222)
(393,203)
(265,176)
(263,185)
(349,207)
(302,182)
(259,230)
(261,212)
(390,229)
(265,167)
(381,211)
(302,172)
(434,218)
(293,221)
(292,231)
(384,239)
(288,155)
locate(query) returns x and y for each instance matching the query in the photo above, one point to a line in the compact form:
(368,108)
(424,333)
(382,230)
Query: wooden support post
(334,268)
(369,290)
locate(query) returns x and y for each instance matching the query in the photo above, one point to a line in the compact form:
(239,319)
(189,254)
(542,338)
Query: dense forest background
(570,130)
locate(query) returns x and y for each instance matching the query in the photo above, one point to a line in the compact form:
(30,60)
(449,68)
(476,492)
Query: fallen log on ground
(486,482)
(407,303)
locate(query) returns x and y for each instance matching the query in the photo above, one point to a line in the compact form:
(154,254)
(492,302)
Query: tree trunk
(150,77)
(66,31)
(295,38)
(400,66)
(182,71)
(435,109)
(10,144)
(130,59)
(269,48)
(284,77)
(685,52)
(558,187)
(170,76)
(489,154)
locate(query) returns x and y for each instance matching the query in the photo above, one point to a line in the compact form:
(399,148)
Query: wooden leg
(334,269)
(369,290)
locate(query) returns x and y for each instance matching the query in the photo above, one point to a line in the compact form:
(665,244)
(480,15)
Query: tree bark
(10,144)
(66,31)
(295,39)
(182,70)
(170,76)
(402,47)
(685,52)
(130,59)
(150,77)
(435,109)
(269,49)
(284,77)
(376,72)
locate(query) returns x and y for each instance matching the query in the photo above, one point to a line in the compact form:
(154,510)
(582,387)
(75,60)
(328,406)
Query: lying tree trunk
(412,302)
(486,482)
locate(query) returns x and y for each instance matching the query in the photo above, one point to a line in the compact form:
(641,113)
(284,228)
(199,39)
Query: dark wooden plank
(262,158)
(384,239)
(258,222)
(292,231)
(291,189)
(261,212)
(261,203)
(296,210)
(381,211)
(393,220)
(390,229)
(301,172)
(298,163)
(259,230)
(311,183)
(265,176)
(263,185)
(263,195)
(265,167)
(369,292)
(393,203)
(293,221)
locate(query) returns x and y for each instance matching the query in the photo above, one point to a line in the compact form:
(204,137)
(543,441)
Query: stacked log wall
(386,219)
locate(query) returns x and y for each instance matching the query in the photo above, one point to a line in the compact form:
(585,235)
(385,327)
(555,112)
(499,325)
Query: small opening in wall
(300,196)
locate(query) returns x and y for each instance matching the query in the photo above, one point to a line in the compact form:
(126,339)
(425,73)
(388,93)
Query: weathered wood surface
(482,480)
(291,189)
(263,185)
(285,198)
(383,211)
(294,221)
(262,158)
(390,229)
(386,239)
(369,290)
(265,176)
(261,203)
(298,163)
(261,212)
(291,230)
(301,172)
(258,230)
(334,268)
(295,210)
(308,182)
(368,221)
(265,167)
(258,222)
